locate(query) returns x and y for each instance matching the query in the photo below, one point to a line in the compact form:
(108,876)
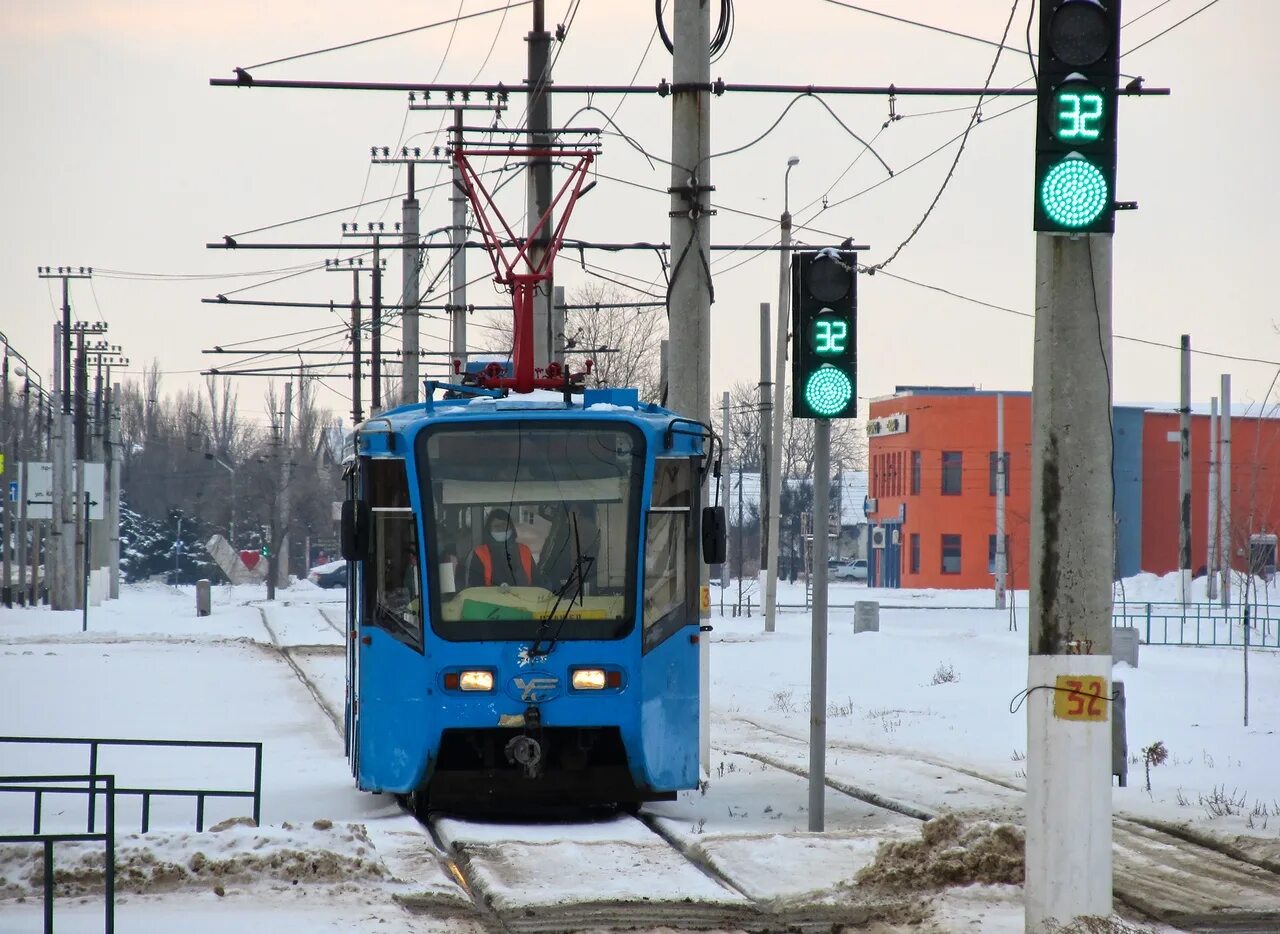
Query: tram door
(390,748)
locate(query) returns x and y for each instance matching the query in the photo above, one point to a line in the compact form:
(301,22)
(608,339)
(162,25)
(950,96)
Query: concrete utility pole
(779,388)
(664,348)
(818,648)
(558,325)
(375,337)
(689,295)
(113,496)
(726,468)
(1002,566)
(62,563)
(458,258)
(457,304)
(1068,850)
(1184,474)
(1224,491)
(1211,527)
(539,188)
(410,262)
(27,450)
(766,437)
(6,448)
(286,469)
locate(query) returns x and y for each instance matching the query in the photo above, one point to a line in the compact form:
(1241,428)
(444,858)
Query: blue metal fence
(1205,624)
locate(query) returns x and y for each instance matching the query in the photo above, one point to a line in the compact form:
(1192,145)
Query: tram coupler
(524,750)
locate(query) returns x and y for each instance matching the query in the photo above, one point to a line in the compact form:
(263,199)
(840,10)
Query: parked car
(851,571)
(333,574)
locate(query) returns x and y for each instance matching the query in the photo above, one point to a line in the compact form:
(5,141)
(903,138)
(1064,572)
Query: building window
(915,473)
(951,554)
(993,468)
(952,465)
(991,553)
(915,552)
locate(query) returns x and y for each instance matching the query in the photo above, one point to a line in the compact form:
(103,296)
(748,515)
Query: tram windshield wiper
(576,581)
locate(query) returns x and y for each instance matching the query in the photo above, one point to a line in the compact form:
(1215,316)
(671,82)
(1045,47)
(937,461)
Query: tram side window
(670,571)
(395,589)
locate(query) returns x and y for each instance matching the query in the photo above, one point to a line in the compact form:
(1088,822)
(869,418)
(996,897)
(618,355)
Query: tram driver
(500,558)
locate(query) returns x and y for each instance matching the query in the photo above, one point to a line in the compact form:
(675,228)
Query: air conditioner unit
(877,537)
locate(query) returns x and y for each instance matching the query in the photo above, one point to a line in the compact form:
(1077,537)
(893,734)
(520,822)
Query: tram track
(287,656)
(1162,872)
(493,869)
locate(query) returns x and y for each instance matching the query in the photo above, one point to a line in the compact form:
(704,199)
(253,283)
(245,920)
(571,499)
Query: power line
(390,35)
(977,111)
(1171,28)
(1031,315)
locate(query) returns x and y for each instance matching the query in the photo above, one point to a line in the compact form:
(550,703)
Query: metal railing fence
(41,785)
(146,794)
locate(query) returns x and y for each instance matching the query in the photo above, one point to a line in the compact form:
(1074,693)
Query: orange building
(1255,488)
(931,488)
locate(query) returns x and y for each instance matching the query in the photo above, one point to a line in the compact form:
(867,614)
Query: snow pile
(232,853)
(949,852)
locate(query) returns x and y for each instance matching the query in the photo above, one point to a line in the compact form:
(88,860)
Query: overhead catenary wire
(391,35)
(1169,29)
(977,113)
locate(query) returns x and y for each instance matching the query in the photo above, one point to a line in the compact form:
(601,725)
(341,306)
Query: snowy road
(734,855)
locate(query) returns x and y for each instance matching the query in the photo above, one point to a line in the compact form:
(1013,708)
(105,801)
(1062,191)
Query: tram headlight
(479,680)
(595,679)
(588,679)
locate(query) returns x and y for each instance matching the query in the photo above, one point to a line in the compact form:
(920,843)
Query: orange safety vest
(486,562)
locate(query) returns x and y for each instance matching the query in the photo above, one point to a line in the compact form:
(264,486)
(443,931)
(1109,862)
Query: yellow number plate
(704,598)
(1080,697)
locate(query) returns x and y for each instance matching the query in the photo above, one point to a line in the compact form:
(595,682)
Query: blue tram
(524,603)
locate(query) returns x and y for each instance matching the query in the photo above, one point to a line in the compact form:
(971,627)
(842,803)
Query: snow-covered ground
(918,714)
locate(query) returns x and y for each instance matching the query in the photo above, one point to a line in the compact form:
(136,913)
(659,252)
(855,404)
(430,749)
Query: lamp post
(231,526)
(780,385)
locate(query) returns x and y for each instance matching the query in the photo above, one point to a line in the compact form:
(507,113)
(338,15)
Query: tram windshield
(531,529)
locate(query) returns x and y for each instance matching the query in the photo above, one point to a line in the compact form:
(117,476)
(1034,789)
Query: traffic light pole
(1068,849)
(818,649)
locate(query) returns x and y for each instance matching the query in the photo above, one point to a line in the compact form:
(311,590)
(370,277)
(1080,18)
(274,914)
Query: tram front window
(531,529)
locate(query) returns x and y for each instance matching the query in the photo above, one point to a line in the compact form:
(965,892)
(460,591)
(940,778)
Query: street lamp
(231,528)
(786,178)
(779,390)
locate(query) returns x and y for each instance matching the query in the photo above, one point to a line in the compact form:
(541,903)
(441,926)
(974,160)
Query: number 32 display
(829,335)
(1079,115)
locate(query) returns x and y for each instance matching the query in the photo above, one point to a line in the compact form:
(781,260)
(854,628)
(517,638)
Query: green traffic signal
(824,334)
(1074,192)
(1078,78)
(828,391)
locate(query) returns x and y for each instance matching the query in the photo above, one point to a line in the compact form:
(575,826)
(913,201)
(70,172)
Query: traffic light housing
(1076,116)
(824,334)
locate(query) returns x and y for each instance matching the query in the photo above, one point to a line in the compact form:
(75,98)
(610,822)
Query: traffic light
(824,334)
(1076,116)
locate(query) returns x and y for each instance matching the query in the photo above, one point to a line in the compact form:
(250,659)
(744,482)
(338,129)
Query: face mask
(503,536)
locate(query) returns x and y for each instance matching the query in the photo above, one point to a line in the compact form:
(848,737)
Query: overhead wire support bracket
(662,89)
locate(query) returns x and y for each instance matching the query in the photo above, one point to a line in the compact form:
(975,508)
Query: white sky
(117,154)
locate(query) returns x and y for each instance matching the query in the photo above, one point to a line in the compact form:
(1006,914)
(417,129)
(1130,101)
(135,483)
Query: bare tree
(621,338)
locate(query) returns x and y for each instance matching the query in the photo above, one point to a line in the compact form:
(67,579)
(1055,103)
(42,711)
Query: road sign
(13,491)
(40,489)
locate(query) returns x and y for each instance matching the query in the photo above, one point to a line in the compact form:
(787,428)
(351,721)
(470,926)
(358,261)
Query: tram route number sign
(1081,697)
